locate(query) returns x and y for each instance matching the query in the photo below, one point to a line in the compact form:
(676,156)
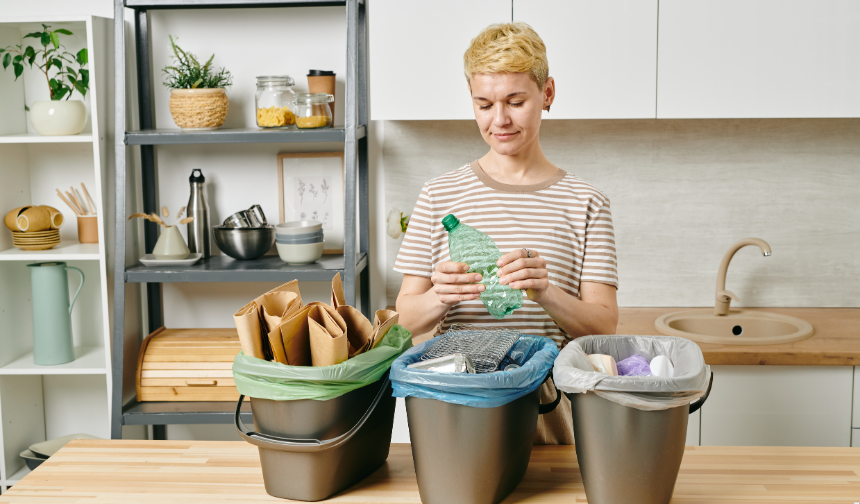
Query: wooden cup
(11,219)
(34,219)
(57,218)
(88,228)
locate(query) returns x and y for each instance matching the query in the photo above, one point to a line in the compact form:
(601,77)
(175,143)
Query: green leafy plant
(187,73)
(54,59)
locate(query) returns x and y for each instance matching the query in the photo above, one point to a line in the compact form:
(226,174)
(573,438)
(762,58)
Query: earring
(547,108)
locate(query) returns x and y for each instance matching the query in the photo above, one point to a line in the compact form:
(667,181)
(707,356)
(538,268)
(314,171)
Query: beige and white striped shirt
(565,219)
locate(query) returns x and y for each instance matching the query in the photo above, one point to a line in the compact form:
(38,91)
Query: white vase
(170,245)
(58,117)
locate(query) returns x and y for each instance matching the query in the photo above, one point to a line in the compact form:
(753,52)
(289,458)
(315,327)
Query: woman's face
(508,109)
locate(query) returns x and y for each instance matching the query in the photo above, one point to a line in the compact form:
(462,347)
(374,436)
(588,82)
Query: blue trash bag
(486,390)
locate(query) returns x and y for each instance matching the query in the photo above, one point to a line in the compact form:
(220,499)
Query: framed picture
(310,186)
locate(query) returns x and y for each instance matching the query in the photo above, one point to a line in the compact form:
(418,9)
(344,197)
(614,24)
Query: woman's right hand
(452,284)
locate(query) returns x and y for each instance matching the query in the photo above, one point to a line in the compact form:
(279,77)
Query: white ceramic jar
(58,117)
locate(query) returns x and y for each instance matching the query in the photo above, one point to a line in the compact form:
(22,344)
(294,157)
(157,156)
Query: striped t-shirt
(565,219)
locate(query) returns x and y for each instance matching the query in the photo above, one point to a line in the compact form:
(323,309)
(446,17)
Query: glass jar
(275,102)
(312,110)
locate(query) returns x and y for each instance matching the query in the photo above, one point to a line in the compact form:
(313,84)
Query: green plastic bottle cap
(450,222)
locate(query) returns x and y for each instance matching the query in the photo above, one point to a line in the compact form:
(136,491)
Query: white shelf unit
(44,402)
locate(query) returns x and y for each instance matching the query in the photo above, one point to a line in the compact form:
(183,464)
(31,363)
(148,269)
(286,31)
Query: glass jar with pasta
(275,102)
(312,110)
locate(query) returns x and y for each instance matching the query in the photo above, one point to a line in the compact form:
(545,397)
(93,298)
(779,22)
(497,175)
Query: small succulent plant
(188,73)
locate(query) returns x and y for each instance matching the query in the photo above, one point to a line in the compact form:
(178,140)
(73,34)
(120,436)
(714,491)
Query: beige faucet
(724,297)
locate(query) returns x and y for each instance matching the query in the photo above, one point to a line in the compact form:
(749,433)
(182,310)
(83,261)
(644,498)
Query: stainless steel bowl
(244,243)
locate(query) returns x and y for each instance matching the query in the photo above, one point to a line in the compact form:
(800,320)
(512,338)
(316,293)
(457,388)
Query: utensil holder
(88,228)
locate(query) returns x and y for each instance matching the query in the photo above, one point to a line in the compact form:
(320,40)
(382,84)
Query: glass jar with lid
(275,101)
(312,110)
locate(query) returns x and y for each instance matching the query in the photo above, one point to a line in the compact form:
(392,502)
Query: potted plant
(198,99)
(64,74)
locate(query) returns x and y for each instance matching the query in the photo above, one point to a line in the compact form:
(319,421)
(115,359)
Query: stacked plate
(37,240)
(299,242)
(39,452)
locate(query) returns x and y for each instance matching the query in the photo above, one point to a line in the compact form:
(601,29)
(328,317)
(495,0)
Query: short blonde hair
(507,48)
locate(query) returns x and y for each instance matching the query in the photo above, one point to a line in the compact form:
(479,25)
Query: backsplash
(682,192)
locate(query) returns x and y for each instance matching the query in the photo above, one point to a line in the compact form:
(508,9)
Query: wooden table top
(835,342)
(187,472)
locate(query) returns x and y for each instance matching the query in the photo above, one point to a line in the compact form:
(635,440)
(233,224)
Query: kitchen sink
(738,327)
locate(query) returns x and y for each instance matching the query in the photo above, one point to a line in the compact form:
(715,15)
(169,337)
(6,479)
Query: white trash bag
(573,373)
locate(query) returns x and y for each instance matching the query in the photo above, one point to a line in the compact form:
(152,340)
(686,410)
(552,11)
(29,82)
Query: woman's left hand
(523,272)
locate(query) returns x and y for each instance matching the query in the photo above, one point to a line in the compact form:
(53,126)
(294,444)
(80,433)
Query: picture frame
(311,186)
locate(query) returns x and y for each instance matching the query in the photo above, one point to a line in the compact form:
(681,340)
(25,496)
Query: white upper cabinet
(759,58)
(602,55)
(416,55)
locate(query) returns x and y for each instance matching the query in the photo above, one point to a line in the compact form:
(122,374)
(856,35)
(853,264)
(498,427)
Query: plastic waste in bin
(472,434)
(630,431)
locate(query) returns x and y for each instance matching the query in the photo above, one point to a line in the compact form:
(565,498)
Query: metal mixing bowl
(244,243)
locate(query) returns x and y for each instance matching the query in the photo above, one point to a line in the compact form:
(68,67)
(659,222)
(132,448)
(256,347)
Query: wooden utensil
(89,200)
(67,202)
(78,201)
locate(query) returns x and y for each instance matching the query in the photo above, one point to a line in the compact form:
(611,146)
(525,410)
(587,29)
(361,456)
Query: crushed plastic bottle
(468,245)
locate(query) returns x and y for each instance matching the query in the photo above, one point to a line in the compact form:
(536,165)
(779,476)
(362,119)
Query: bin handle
(695,406)
(543,409)
(305,445)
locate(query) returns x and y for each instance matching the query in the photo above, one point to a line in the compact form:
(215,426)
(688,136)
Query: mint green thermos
(52,313)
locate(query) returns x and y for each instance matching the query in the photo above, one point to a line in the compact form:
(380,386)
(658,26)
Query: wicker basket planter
(198,108)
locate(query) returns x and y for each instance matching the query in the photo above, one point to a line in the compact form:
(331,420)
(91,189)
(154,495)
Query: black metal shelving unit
(353,135)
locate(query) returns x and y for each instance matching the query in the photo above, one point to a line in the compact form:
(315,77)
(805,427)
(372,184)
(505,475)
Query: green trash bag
(272,380)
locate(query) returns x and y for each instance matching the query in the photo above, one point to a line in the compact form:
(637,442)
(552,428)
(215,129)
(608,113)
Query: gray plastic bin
(626,454)
(310,450)
(468,455)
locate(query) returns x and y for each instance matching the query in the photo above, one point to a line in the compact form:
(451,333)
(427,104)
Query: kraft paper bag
(257,320)
(293,336)
(384,320)
(362,335)
(247,323)
(328,336)
(359,329)
(337,299)
(275,307)
(279,304)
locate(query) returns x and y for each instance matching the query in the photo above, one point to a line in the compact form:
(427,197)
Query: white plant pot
(170,245)
(61,117)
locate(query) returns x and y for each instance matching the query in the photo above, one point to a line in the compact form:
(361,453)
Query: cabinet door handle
(201,383)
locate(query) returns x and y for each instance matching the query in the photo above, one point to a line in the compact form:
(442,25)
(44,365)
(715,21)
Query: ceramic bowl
(301,253)
(33,461)
(244,243)
(298,227)
(290,240)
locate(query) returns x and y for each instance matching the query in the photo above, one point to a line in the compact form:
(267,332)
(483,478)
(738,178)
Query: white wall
(683,191)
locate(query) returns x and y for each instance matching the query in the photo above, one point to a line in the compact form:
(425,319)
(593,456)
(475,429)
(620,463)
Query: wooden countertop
(187,472)
(835,342)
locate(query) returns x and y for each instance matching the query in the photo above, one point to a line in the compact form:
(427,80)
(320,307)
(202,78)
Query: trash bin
(326,446)
(320,430)
(630,431)
(472,434)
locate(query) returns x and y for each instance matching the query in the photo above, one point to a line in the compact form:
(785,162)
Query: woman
(554,229)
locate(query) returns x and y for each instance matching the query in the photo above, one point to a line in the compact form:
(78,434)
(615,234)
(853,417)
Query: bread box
(187,365)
